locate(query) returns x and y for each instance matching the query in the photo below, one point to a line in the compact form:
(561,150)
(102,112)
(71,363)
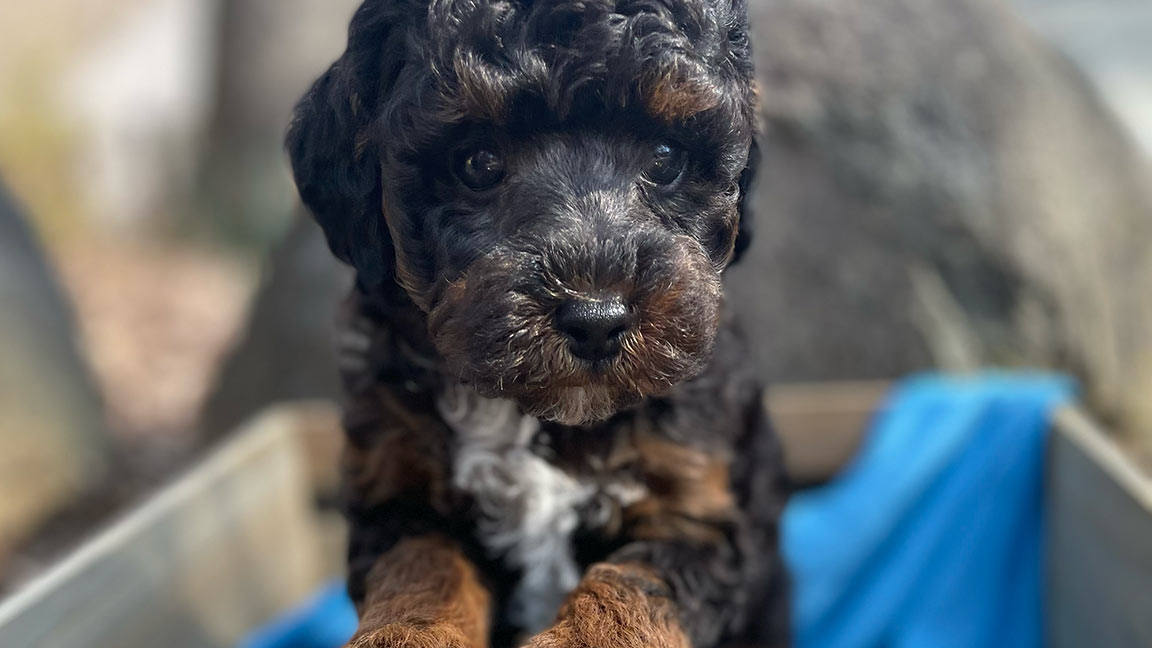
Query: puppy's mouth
(589,373)
(553,383)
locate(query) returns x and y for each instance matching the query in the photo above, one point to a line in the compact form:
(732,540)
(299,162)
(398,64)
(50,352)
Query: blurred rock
(53,440)
(1110,40)
(286,352)
(940,187)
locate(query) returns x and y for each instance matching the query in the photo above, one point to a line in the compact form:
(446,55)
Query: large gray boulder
(287,352)
(941,188)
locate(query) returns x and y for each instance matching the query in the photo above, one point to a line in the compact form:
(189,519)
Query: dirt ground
(155,320)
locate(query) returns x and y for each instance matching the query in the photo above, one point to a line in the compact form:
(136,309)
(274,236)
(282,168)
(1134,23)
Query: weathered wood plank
(1100,541)
(821,424)
(218,552)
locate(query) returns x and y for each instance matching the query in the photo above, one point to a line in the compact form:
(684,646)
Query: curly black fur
(461,286)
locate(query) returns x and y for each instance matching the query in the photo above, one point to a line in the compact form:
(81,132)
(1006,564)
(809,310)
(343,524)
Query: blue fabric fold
(933,536)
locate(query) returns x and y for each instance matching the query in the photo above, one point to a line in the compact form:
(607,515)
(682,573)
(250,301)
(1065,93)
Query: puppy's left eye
(667,163)
(479,168)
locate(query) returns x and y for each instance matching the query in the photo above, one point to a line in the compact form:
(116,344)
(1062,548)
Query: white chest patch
(528,508)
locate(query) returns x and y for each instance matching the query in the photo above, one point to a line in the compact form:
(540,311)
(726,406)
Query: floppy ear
(747,176)
(333,156)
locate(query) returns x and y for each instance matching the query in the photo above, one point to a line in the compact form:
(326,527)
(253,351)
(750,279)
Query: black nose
(593,326)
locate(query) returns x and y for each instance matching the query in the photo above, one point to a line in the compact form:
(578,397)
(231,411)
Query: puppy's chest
(531,492)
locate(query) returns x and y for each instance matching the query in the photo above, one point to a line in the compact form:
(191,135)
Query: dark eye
(667,163)
(478,168)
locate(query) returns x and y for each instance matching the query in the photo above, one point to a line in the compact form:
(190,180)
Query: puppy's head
(556,184)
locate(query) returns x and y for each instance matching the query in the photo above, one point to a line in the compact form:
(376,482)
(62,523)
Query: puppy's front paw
(615,607)
(595,631)
(557,637)
(399,635)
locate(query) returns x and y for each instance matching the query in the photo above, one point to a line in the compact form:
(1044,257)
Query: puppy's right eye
(478,168)
(667,163)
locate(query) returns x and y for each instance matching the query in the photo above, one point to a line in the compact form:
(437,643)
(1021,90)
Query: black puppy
(551,426)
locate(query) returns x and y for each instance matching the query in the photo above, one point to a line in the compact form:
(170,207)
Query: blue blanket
(326,621)
(932,538)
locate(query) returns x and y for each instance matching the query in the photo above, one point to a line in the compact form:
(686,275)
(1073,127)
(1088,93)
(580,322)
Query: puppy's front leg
(423,593)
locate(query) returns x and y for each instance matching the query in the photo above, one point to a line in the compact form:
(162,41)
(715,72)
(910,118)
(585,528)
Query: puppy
(553,435)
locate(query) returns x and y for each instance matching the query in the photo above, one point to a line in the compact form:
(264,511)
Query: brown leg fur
(616,606)
(424,593)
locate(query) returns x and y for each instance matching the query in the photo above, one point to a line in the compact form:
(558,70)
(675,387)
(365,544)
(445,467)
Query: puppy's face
(556,185)
(573,271)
